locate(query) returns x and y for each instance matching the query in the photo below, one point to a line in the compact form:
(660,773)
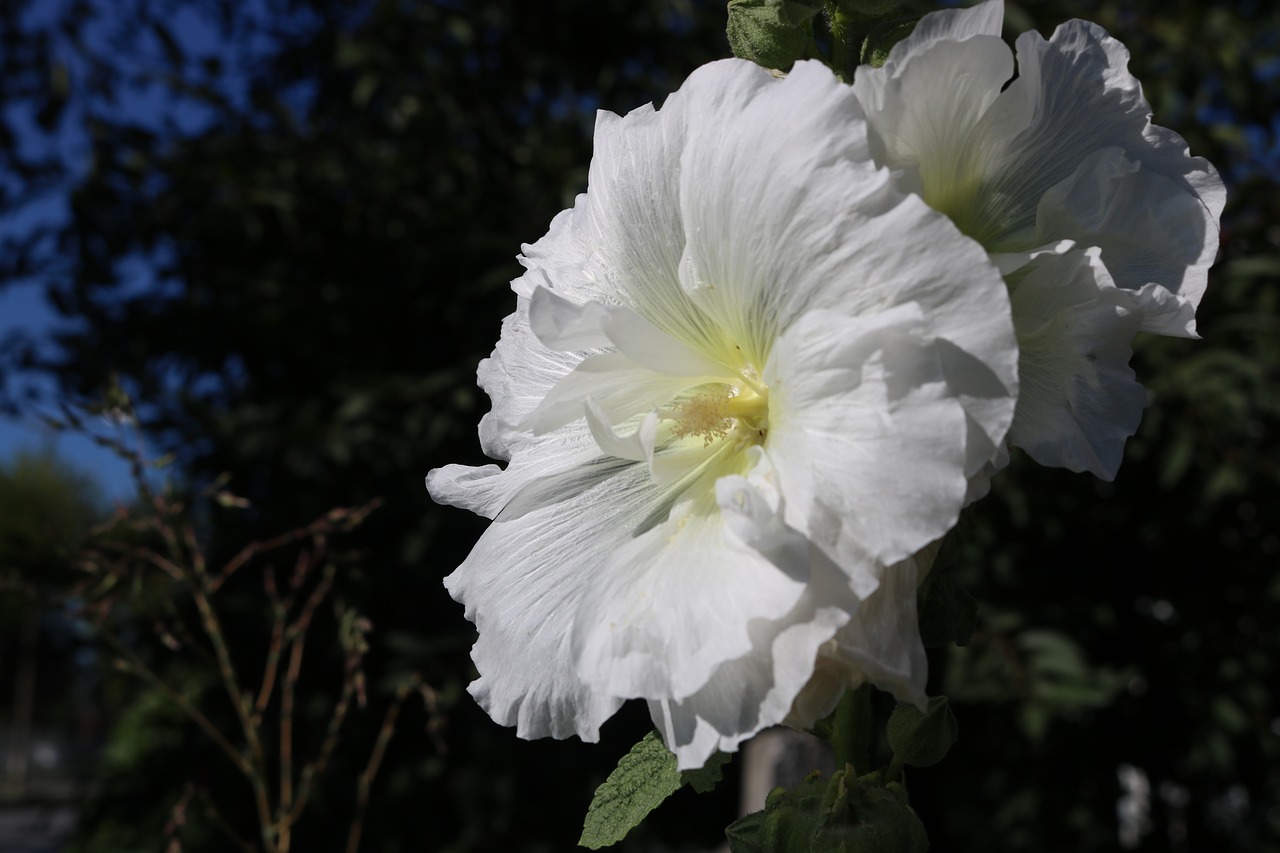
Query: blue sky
(24,307)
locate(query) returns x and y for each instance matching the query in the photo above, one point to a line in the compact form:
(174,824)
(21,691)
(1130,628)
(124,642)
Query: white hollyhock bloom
(745,381)
(1039,164)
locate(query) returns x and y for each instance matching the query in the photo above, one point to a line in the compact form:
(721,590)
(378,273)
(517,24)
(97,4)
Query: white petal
(1150,229)
(521,584)
(883,641)
(841,215)
(1072,96)
(929,128)
(637,446)
(986,157)
(757,690)
(868,440)
(751,507)
(620,388)
(881,94)
(1079,401)
(1165,313)
(564,325)
(478,489)
(880,644)
(1169,156)
(961,295)
(980,481)
(543,472)
(1011,262)
(958,24)
(633,218)
(556,260)
(517,376)
(787,178)
(567,326)
(675,602)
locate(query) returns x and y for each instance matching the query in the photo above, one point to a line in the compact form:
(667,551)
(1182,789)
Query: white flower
(744,376)
(1040,168)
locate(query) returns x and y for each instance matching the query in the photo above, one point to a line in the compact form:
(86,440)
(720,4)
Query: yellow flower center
(721,411)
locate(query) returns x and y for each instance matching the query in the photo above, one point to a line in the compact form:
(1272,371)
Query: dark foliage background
(289,240)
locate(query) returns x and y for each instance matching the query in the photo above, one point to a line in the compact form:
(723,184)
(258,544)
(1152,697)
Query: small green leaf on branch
(922,738)
(644,777)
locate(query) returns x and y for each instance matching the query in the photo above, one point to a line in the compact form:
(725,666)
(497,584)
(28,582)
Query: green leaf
(922,738)
(644,777)
(772,33)
(844,813)
(948,614)
(744,834)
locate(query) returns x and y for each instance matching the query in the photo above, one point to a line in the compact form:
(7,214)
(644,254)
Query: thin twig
(345,516)
(287,689)
(231,683)
(139,668)
(211,811)
(279,613)
(365,782)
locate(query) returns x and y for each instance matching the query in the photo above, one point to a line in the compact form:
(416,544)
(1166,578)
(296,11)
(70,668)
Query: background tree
(46,509)
(287,227)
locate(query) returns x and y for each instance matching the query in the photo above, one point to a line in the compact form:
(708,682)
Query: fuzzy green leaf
(772,33)
(644,777)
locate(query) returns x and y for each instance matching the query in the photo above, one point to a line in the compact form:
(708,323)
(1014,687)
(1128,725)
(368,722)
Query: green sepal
(772,33)
(644,777)
(922,738)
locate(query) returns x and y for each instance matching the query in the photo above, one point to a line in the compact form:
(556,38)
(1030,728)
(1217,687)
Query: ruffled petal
(755,691)
(517,376)
(1150,230)
(1079,401)
(620,388)
(982,19)
(842,216)
(928,129)
(847,396)
(676,602)
(524,578)
(881,645)
(987,157)
(747,222)
(633,217)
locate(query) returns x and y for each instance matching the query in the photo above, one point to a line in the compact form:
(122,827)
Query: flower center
(721,411)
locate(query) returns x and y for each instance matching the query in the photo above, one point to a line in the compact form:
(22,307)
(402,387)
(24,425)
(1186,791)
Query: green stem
(851,730)
(844,48)
(893,773)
